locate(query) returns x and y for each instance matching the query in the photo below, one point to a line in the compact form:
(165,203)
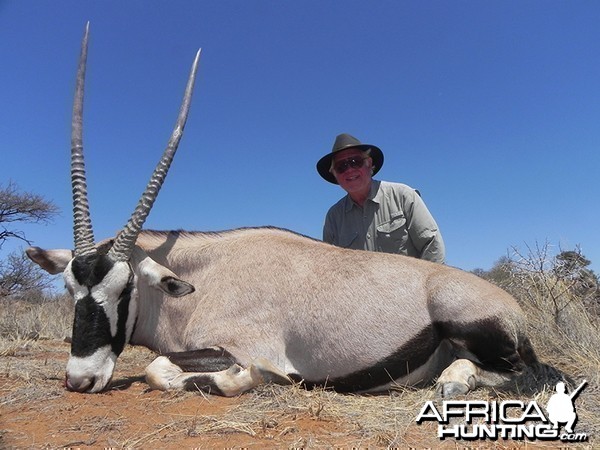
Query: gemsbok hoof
(264,305)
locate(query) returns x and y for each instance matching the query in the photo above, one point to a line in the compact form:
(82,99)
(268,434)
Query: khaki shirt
(393,219)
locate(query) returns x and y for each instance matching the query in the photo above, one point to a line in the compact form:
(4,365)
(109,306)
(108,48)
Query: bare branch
(24,207)
(19,275)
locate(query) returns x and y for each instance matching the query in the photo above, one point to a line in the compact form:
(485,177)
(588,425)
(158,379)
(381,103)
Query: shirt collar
(375,195)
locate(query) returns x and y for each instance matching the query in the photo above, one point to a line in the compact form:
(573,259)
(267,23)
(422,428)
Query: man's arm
(424,231)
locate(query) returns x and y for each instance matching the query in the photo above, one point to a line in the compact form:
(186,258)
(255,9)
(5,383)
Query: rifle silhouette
(576,392)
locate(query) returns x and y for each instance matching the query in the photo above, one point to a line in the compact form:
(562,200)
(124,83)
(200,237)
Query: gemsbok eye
(269,305)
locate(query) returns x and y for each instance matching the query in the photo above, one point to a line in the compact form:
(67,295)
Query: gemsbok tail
(536,376)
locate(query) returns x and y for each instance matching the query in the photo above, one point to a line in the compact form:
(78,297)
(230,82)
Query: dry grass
(130,416)
(273,412)
(31,320)
(23,323)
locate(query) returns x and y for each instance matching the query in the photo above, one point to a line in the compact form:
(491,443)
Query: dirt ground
(37,412)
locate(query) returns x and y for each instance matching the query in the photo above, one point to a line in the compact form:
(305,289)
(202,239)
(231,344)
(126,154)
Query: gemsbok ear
(52,261)
(161,278)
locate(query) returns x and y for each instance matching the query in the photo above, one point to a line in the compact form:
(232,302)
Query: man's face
(350,178)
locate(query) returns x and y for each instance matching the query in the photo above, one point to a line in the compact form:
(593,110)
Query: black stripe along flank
(396,365)
(486,339)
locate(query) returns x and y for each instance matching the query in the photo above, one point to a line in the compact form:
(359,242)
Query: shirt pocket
(392,236)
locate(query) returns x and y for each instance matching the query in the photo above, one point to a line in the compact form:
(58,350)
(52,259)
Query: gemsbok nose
(79,384)
(269,305)
(100,278)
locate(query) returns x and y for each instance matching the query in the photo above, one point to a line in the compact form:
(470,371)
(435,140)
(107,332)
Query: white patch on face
(109,288)
(106,293)
(133,307)
(75,289)
(93,372)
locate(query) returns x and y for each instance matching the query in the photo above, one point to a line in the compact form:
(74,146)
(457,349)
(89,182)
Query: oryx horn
(124,242)
(82,224)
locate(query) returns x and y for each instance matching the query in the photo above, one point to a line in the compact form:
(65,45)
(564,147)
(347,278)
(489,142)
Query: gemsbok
(268,305)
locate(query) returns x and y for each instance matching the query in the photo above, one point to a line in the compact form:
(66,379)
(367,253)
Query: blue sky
(491,109)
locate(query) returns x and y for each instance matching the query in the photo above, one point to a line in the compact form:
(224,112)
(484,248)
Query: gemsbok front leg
(210,375)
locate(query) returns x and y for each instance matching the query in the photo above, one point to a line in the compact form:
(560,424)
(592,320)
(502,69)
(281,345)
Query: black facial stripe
(91,328)
(118,342)
(405,360)
(204,360)
(90,270)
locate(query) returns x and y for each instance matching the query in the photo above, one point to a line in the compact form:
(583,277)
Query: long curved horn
(123,246)
(82,225)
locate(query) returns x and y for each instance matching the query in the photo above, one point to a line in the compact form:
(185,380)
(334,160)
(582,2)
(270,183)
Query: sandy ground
(37,412)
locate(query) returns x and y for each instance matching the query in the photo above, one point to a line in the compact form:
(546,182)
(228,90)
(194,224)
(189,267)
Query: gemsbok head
(100,277)
(270,305)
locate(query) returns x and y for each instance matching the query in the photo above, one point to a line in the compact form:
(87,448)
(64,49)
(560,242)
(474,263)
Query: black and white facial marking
(105,312)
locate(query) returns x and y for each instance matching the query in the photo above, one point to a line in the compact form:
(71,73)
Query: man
(375,215)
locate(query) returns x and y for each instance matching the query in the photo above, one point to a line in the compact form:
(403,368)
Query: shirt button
(368,236)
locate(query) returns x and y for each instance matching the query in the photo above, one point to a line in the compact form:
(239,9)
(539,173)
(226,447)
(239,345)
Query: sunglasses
(356,162)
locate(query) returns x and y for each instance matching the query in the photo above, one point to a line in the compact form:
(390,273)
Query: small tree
(22,207)
(546,281)
(17,273)
(501,272)
(572,267)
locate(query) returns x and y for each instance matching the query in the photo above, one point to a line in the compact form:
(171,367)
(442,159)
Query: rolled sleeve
(394,219)
(424,231)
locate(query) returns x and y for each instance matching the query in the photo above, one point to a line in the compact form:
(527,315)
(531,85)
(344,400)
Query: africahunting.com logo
(509,419)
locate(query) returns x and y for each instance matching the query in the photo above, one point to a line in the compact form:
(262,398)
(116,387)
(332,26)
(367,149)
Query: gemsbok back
(268,305)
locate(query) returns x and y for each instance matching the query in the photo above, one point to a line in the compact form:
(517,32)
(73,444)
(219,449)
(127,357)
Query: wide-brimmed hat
(344,142)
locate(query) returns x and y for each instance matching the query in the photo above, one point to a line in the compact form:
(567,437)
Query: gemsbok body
(267,305)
